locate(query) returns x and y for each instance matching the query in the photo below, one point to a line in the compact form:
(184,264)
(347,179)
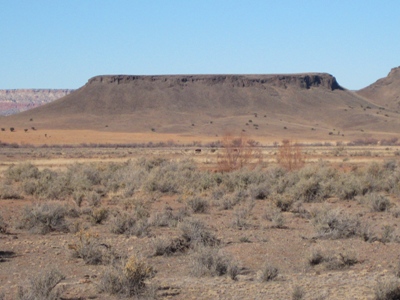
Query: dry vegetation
(283,226)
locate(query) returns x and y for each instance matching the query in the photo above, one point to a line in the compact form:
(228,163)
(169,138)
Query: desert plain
(203,187)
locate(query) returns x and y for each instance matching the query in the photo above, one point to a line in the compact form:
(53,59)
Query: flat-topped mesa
(302,81)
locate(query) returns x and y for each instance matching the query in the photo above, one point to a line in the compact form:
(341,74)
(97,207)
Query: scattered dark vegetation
(332,261)
(43,286)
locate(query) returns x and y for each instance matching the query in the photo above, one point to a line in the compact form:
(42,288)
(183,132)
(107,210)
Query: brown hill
(306,106)
(18,100)
(385,91)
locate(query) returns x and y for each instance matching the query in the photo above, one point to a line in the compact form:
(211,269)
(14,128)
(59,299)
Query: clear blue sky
(62,43)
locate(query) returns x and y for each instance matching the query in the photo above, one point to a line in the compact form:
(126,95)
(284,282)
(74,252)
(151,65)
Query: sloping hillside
(385,91)
(299,105)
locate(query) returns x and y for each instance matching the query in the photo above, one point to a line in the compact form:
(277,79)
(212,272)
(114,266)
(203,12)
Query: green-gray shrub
(129,224)
(43,286)
(335,224)
(195,233)
(22,172)
(387,289)
(208,261)
(378,202)
(126,278)
(198,204)
(44,218)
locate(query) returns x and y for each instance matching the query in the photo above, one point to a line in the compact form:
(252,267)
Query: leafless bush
(44,218)
(290,155)
(44,286)
(237,152)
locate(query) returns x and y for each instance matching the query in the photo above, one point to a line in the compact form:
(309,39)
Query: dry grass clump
(43,286)
(168,247)
(332,261)
(198,204)
(268,272)
(44,217)
(208,261)
(3,225)
(131,223)
(90,249)
(8,191)
(195,233)
(387,289)
(128,278)
(298,293)
(98,215)
(377,202)
(167,217)
(275,216)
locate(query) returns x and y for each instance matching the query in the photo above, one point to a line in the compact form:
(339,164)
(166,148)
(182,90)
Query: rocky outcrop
(302,81)
(18,100)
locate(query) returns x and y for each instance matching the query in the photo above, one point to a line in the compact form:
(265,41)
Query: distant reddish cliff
(15,101)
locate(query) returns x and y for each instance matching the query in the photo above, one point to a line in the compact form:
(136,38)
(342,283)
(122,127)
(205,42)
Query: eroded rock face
(18,100)
(303,81)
